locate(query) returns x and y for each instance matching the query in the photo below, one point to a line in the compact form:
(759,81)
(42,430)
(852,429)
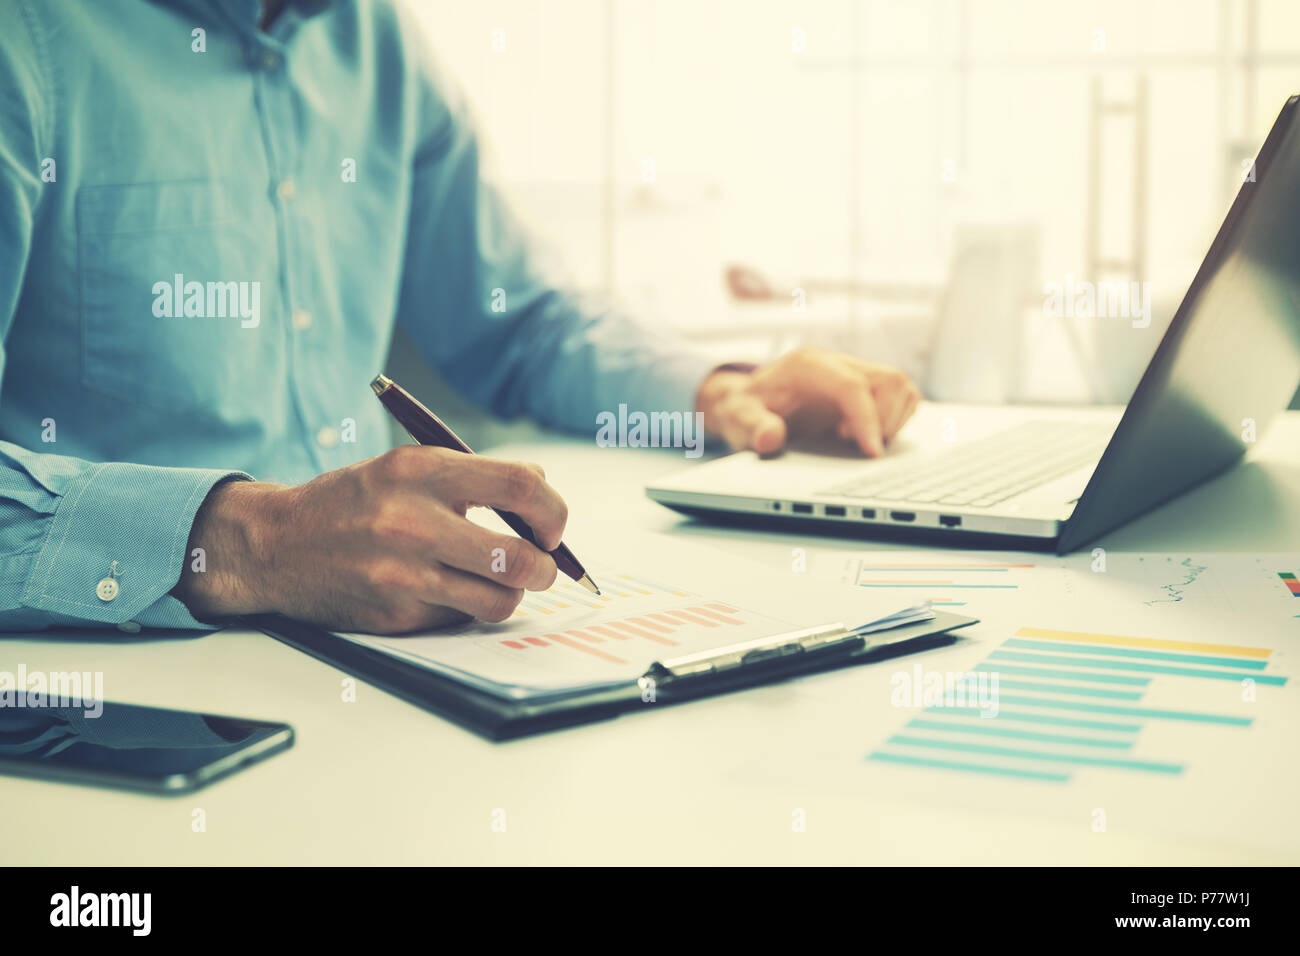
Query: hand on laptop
(808,391)
(381,546)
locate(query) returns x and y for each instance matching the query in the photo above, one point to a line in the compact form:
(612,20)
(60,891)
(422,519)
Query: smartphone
(129,746)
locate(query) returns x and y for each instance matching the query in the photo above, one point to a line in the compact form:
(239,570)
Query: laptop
(960,474)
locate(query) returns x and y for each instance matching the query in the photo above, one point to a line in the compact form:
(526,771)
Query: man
(211,214)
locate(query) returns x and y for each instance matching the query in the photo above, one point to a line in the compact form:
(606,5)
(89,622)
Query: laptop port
(776,506)
(801,509)
(950,521)
(869,513)
(835,511)
(903,515)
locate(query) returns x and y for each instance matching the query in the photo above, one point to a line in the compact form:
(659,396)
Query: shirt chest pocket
(178,300)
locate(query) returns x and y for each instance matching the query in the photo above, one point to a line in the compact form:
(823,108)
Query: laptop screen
(1229,361)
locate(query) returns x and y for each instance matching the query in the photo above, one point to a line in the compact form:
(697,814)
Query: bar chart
(606,641)
(1069,701)
(942,583)
(567,595)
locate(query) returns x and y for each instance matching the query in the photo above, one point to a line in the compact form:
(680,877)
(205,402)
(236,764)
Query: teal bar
(1068,675)
(1036,645)
(1037,719)
(965,747)
(938,570)
(969,767)
(1136,666)
(941,587)
(1064,689)
(984,728)
(1127,711)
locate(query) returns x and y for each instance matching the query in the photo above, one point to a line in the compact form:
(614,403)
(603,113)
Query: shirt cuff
(138,516)
(675,381)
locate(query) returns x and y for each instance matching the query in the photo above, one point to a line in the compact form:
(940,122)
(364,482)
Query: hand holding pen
(382,546)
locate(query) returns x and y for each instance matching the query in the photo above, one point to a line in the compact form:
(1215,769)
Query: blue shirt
(206,234)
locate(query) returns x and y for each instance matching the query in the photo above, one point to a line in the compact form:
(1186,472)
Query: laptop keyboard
(988,471)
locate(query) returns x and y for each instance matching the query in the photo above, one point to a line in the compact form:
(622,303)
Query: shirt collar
(248,13)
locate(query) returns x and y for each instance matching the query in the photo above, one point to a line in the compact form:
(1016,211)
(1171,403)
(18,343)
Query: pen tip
(380,383)
(589,584)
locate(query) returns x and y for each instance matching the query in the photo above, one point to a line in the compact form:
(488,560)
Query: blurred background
(903,179)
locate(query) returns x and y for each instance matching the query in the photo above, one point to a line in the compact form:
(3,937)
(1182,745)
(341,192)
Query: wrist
(717,386)
(232,532)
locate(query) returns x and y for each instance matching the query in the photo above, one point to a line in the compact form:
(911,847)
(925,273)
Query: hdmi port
(903,515)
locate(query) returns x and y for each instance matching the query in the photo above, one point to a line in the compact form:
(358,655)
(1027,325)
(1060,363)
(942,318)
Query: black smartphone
(129,746)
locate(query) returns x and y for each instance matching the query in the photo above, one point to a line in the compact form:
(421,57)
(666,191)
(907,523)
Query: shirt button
(129,627)
(269,60)
(327,437)
(286,189)
(301,319)
(106,589)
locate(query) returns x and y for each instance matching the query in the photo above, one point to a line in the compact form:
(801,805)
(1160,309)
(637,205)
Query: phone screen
(128,745)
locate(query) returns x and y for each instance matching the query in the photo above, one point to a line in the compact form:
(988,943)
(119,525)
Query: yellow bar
(1115,640)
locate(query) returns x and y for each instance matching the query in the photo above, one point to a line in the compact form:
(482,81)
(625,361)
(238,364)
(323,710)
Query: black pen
(428,429)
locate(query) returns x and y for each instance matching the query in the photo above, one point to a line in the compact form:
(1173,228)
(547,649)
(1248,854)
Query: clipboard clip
(732,657)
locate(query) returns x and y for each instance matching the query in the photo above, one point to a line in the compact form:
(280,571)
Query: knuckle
(501,604)
(805,355)
(522,483)
(519,563)
(388,577)
(400,463)
(391,522)
(549,572)
(401,620)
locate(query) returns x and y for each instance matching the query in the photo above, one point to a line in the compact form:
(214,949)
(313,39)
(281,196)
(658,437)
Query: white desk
(380,781)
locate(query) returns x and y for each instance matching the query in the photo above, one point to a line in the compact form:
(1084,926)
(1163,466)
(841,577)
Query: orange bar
(607,632)
(640,633)
(724,608)
(1118,640)
(590,638)
(715,616)
(687,616)
(536,640)
(570,642)
(672,622)
(648,625)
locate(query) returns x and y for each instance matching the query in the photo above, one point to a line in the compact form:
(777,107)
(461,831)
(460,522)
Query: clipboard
(668,682)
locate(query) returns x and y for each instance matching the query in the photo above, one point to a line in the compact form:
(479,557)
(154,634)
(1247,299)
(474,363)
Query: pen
(427,429)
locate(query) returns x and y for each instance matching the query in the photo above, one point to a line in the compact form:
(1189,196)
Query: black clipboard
(719,671)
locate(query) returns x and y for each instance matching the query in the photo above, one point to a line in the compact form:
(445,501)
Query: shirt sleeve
(64,521)
(502,326)
(68,521)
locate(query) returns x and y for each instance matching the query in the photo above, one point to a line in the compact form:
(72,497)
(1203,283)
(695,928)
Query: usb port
(801,509)
(903,515)
(950,521)
(835,511)
(868,512)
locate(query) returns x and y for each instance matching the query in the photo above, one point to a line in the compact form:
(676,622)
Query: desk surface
(380,781)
